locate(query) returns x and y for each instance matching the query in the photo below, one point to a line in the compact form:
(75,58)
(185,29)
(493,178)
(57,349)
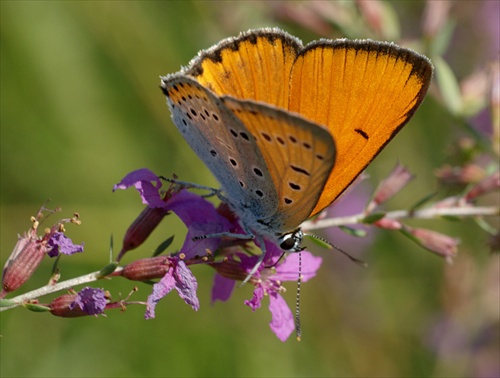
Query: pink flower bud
(485,186)
(388,224)
(393,184)
(436,242)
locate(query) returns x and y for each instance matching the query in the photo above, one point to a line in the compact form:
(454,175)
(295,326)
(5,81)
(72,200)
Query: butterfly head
(291,241)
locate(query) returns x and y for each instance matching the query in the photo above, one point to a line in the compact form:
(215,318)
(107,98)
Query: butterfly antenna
(352,258)
(298,330)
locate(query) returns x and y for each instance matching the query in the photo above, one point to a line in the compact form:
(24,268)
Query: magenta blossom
(266,281)
(180,277)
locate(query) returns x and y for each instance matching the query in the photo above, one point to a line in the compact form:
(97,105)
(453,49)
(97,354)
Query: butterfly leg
(189,185)
(259,261)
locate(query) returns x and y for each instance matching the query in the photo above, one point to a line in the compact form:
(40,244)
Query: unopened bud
(142,227)
(393,184)
(485,186)
(233,270)
(24,260)
(147,269)
(88,301)
(436,242)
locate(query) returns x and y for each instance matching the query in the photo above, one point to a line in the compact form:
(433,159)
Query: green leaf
(36,307)
(448,85)
(353,231)
(372,218)
(163,246)
(318,241)
(422,201)
(107,270)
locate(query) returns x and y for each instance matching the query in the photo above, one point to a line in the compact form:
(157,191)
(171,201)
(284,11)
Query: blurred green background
(81,107)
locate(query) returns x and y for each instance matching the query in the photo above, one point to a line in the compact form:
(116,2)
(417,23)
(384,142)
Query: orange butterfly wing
(363,92)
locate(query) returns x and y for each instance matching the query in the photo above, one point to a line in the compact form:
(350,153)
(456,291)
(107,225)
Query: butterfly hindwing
(299,155)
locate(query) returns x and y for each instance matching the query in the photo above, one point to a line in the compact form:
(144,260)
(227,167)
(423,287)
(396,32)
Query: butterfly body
(285,128)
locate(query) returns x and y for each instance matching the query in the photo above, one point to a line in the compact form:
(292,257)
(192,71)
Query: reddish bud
(24,260)
(460,175)
(142,227)
(485,186)
(62,306)
(147,269)
(441,244)
(388,224)
(232,269)
(393,184)
(436,14)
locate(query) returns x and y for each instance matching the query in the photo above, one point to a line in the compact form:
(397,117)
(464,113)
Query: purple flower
(146,183)
(179,277)
(267,281)
(199,215)
(91,301)
(60,243)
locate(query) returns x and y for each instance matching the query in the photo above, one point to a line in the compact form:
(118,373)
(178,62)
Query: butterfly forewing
(363,92)
(254,66)
(299,155)
(223,143)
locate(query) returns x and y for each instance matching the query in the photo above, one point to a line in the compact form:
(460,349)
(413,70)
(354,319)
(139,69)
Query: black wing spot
(306,145)
(300,170)
(213,152)
(233,133)
(266,136)
(216,117)
(189,116)
(244,135)
(258,172)
(288,201)
(292,139)
(362,133)
(259,193)
(294,186)
(280,140)
(241,184)
(233,162)
(193,112)
(206,113)
(320,157)
(184,122)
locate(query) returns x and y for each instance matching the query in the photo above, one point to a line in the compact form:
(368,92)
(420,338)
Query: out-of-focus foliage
(81,107)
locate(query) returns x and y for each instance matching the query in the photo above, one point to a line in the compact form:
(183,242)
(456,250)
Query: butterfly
(286,128)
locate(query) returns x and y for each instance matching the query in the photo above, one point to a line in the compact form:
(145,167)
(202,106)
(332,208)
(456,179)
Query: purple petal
(255,302)
(160,289)
(222,289)
(142,180)
(282,323)
(186,285)
(201,218)
(91,301)
(289,269)
(60,243)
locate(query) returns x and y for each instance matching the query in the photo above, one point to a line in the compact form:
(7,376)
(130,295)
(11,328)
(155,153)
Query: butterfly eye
(291,241)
